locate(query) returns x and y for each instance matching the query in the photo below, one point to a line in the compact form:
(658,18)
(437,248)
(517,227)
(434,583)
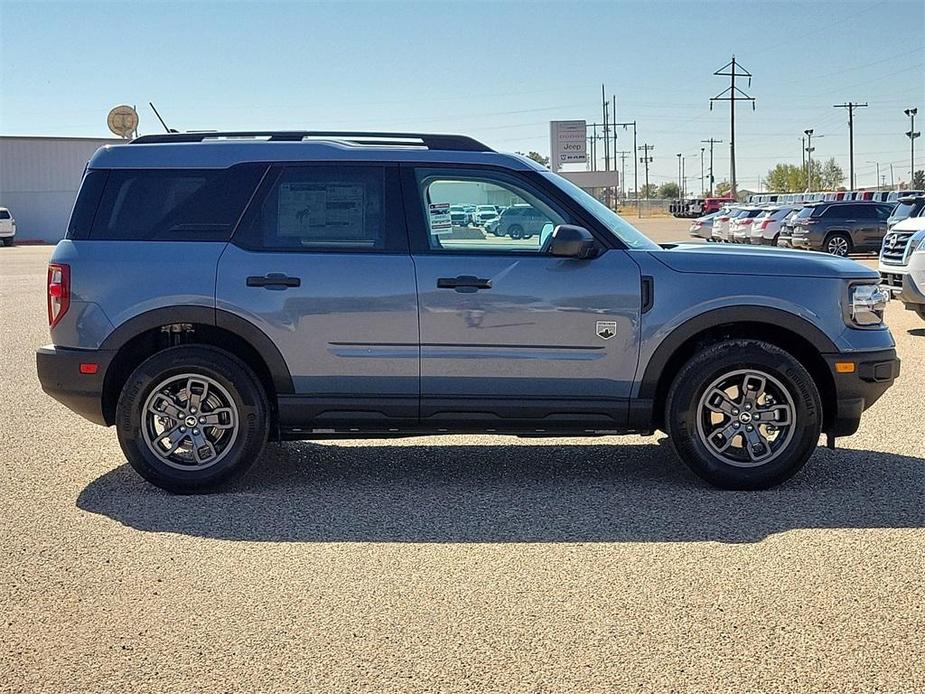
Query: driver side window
(474,213)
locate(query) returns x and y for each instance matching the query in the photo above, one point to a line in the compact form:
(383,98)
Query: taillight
(764,224)
(59,292)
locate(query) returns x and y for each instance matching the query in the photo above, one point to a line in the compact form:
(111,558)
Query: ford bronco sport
(216,290)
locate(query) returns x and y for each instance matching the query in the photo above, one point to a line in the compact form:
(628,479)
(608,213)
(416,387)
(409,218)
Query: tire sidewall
(233,375)
(703,370)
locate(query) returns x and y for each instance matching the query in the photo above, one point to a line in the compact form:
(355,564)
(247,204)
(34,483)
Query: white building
(39,178)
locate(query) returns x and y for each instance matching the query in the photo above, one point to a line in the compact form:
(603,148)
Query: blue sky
(497,71)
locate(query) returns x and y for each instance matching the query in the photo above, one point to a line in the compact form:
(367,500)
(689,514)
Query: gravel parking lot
(454,563)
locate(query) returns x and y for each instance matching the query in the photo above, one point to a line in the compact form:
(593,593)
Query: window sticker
(322,210)
(440,221)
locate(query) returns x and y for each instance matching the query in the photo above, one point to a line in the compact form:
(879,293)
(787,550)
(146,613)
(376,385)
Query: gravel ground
(454,563)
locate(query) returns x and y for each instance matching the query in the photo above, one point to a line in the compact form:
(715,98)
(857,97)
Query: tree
(669,191)
(787,178)
(538,158)
(650,190)
(723,188)
(832,175)
(918,180)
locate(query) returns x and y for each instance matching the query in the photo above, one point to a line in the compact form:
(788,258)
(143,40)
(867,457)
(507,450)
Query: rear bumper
(854,392)
(59,373)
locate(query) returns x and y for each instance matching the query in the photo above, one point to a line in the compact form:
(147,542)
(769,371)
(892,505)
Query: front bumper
(61,378)
(902,286)
(854,392)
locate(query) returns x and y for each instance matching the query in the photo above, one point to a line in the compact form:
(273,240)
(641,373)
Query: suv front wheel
(744,414)
(191,418)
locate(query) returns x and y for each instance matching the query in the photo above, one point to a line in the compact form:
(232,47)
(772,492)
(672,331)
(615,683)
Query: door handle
(465,284)
(275,280)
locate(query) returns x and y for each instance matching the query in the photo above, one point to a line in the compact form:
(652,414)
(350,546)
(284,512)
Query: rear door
(512,337)
(320,264)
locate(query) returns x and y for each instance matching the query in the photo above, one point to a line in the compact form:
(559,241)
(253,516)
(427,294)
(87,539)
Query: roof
(223,149)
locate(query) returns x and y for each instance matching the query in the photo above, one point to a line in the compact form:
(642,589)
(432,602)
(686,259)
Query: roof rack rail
(458,143)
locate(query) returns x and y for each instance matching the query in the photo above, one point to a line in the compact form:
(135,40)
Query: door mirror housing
(569,241)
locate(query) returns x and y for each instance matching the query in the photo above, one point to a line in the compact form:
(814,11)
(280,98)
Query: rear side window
(88,199)
(4,214)
(319,207)
(173,205)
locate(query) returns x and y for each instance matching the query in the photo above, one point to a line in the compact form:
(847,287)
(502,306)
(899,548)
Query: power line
(732,94)
(850,105)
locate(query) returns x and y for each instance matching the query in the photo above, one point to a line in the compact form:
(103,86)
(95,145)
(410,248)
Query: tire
(920,309)
(515,231)
(232,398)
(8,241)
(696,426)
(837,243)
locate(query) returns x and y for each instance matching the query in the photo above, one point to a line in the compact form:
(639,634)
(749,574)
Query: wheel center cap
(191,421)
(745,417)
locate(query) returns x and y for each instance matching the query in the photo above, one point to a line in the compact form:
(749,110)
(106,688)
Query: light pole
(679,174)
(702,189)
(809,159)
(911,135)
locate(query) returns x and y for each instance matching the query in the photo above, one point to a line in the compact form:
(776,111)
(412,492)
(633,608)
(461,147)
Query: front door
(512,337)
(320,264)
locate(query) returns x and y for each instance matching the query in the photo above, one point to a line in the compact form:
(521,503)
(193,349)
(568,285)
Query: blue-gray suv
(216,290)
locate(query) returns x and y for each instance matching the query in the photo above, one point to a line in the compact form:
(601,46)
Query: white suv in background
(902,263)
(7,227)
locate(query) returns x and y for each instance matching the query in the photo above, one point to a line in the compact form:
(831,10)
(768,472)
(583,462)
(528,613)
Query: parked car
(767,226)
(521,222)
(7,227)
(905,207)
(841,228)
(895,195)
(741,225)
(902,262)
(485,214)
(215,291)
(702,227)
(722,222)
(785,236)
(460,216)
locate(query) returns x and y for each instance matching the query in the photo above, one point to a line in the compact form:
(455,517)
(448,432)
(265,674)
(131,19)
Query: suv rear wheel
(191,418)
(837,243)
(744,414)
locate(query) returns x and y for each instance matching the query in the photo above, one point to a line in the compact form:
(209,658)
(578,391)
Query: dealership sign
(567,142)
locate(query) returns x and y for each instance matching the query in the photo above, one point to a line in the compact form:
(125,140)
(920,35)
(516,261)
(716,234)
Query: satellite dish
(122,120)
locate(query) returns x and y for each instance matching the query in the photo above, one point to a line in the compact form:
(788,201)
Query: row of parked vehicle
(836,226)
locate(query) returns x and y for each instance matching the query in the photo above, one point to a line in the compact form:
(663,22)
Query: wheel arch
(143,335)
(781,328)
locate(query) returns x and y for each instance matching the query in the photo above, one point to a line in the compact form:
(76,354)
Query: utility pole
(850,105)
(912,135)
(809,159)
(622,154)
(635,162)
(803,154)
(645,159)
(892,180)
(732,94)
(604,108)
(702,150)
(712,142)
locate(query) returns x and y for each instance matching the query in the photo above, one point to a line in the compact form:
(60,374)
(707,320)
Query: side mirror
(570,241)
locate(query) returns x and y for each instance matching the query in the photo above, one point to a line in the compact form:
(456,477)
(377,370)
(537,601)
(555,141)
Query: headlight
(867,304)
(915,244)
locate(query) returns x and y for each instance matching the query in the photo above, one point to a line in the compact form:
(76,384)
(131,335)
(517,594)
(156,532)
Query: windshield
(623,230)
(903,210)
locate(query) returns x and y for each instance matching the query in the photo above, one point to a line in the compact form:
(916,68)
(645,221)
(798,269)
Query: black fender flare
(207,315)
(766,315)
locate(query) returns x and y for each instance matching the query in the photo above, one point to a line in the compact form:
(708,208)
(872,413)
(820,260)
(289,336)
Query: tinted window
(172,205)
(88,199)
(806,212)
(4,214)
(319,207)
(865,212)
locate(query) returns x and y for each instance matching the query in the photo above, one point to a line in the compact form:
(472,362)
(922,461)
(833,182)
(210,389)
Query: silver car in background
(767,225)
(702,227)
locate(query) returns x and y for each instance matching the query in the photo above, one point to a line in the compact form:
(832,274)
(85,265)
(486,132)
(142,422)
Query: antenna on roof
(170,130)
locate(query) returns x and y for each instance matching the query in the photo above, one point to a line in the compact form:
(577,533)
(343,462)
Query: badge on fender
(605,329)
